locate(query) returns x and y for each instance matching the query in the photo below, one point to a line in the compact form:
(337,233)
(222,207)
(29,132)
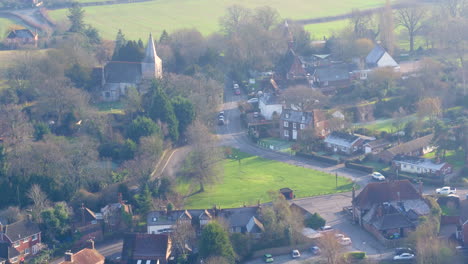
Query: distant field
(4,24)
(318,31)
(249,182)
(138,19)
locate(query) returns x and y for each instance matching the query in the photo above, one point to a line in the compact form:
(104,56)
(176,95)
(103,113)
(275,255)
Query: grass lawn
(386,125)
(250,182)
(110,107)
(318,31)
(454,157)
(138,19)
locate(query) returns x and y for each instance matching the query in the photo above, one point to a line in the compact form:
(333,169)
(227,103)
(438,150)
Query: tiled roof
(145,246)
(86,256)
(296,116)
(21,33)
(21,229)
(420,162)
(380,192)
(341,139)
(122,72)
(408,147)
(374,56)
(8,252)
(332,73)
(391,221)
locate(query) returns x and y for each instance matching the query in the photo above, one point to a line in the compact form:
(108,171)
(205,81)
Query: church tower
(151,66)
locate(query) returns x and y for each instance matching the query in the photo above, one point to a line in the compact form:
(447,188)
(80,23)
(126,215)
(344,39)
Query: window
(302,126)
(155,219)
(294,125)
(26,251)
(26,240)
(34,237)
(15,259)
(286,133)
(17,243)
(286,124)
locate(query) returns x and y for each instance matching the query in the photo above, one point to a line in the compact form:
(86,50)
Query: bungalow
(240,220)
(270,105)
(376,146)
(416,147)
(146,249)
(389,210)
(21,37)
(19,240)
(420,165)
(331,77)
(345,143)
(379,57)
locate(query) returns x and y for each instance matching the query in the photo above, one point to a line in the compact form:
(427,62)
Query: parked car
(344,241)
(237,92)
(295,253)
(221,121)
(252,100)
(446,190)
(221,114)
(325,228)
(255,114)
(404,256)
(378,176)
(236,86)
(399,251)
(315,250)
(268,258)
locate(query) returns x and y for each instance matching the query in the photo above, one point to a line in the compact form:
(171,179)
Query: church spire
(150,54)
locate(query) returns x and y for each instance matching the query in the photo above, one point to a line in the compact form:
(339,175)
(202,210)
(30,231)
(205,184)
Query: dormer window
(287,115)
(155,219)
(17,244)
(303,118)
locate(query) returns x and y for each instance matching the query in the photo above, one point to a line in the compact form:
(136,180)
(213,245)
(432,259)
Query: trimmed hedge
(426,179)
(356,255)
(318,157)
(360,167)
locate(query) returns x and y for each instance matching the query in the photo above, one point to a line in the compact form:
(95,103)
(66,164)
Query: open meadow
(249,182)
(138,19)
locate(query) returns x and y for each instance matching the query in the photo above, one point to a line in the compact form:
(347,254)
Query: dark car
(221,121)
(399,251)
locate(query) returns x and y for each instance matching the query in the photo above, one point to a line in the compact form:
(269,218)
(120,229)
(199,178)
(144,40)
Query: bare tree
(303,98)
(39,199)
(267,17)
(411,18)
(183,236)
(203,165)
(429,107)
(234,17)
(362,25)
(10,215)
(454,8)
(16,130)
(330,247)
(387,28)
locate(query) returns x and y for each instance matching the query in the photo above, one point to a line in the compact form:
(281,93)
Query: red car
(237,92)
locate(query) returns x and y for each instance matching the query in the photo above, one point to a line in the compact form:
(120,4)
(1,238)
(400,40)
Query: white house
(420,165)
(378,58)
(269,104)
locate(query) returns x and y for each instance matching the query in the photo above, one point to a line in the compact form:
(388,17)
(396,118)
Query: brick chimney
(90,244)
(120,200)
(69,256)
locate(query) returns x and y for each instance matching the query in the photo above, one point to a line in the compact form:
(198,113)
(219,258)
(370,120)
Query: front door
(294,135)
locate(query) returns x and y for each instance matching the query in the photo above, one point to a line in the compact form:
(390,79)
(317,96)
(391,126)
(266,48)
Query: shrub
(318,157)
(359,167)
(314,221)
(356,255)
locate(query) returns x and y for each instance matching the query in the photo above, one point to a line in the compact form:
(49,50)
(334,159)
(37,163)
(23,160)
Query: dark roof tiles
(380,192)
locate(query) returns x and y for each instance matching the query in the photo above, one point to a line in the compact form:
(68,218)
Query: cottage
(389,210)
(87,223)
(113,215)
(21,37)
(420,165)
(334,76)
(416,147)
(117,76)
(19,240)
(379,57)
(376,146)
(270,105)
(88,255)
(345,143)
(240,220)
(146,249)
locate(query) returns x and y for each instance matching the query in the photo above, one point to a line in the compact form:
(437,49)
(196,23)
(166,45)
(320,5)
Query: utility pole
(336,180)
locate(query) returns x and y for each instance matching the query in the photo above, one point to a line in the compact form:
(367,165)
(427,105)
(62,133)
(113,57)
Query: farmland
(137,19)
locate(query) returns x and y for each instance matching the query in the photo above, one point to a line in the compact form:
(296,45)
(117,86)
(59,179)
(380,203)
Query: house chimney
(90,244)
(120,198)
(82,213)
(69,256)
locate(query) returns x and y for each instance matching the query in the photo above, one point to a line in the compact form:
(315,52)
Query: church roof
(122,72)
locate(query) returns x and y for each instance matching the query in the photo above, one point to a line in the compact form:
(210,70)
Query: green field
(250,182)
(5,23)
(138,19)
(456,158)
(318,31)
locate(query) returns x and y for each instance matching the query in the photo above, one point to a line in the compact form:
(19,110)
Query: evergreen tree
(120,41)
(142,127)
(76,16)
(215,242)
(184,112)
(164,39)
(159,107)
(131,51)
(144,201)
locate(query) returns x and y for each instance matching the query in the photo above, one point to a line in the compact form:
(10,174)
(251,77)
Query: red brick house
(21,37)
(146,248)
(19,240)
(389,210)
